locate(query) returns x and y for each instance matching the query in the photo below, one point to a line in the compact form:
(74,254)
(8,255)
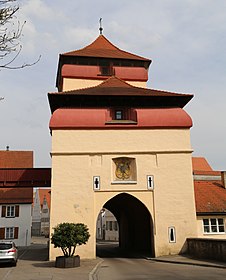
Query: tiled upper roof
(210,197)
(102,47)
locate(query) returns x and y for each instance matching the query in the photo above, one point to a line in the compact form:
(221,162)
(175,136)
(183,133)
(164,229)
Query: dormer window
(119,114)
(106,68)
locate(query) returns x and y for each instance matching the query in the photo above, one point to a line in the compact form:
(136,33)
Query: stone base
(67,262)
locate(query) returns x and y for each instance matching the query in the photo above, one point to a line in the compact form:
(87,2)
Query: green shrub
(68,235)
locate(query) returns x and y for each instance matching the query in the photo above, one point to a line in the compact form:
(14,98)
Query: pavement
(189,260)
(33,264)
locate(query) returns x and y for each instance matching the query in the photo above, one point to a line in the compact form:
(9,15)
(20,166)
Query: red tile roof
(121,93)
(44,193)
(115,86)
(102,47)
(16,159)
(200,164)
(210,197)
(16,195)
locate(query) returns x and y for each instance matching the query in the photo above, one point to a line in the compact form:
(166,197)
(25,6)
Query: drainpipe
(223,178)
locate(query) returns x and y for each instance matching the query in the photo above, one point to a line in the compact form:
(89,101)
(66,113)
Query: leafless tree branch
(10,33)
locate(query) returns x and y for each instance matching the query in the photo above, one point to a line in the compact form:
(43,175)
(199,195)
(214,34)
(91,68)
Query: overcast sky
(186,41)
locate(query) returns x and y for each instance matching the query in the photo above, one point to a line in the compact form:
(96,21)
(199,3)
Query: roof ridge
(101,38)
(113,77)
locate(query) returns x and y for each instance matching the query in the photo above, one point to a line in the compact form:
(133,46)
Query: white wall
(23,222)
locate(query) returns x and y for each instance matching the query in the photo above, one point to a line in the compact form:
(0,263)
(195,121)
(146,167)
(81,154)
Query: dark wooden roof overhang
(111,97)
(25,177)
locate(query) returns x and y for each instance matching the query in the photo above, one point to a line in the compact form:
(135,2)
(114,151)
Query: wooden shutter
(17,211)
(16,232)
(2,233)
(3,211)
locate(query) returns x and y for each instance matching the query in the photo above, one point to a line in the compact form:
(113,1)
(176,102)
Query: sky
(186,41)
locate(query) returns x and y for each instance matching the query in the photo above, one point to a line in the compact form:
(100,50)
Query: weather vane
(101,28)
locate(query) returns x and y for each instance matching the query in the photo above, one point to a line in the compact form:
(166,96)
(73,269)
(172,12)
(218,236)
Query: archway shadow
(109,249)
(136,231)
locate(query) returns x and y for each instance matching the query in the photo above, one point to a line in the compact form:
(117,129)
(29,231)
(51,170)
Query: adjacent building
(17,179)
(210,200)
(41,212)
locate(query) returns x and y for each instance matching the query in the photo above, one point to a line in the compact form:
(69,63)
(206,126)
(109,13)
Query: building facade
(120,146)
(17,179)
(210,199)
(41,212)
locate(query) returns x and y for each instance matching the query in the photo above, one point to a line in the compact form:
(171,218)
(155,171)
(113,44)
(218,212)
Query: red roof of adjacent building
(210,197)
(210,193)
(200,164)
(103,48)
(45,193)
(16,195)
(16,159)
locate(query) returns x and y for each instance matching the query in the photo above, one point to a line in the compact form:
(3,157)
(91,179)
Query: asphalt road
(135,269)
(113,265)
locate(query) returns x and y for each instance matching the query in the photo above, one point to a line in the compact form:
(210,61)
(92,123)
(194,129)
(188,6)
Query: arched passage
(135,224)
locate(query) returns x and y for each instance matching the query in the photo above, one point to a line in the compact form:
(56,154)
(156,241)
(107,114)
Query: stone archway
(135,224)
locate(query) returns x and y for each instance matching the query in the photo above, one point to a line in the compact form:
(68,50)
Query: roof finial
(101,28)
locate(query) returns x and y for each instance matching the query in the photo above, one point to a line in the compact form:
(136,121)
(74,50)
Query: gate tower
(119,145)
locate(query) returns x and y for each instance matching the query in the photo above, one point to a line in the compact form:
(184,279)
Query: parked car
(8,252)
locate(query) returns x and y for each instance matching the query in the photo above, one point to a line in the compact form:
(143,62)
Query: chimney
(223,178)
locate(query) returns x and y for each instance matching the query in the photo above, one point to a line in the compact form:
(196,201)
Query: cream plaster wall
(201,233)
(72,83)
(78,155)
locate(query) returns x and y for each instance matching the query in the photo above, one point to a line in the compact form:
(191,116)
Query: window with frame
(213,225)
(10,211)
(9,233)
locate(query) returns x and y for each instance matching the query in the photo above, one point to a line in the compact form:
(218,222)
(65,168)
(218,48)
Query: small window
(10,211)
(110,225)
(119,115)
(213,225)
(9,233)
(172,234)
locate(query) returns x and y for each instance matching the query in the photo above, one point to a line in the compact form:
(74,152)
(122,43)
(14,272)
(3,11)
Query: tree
(10,33)
(68,235)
